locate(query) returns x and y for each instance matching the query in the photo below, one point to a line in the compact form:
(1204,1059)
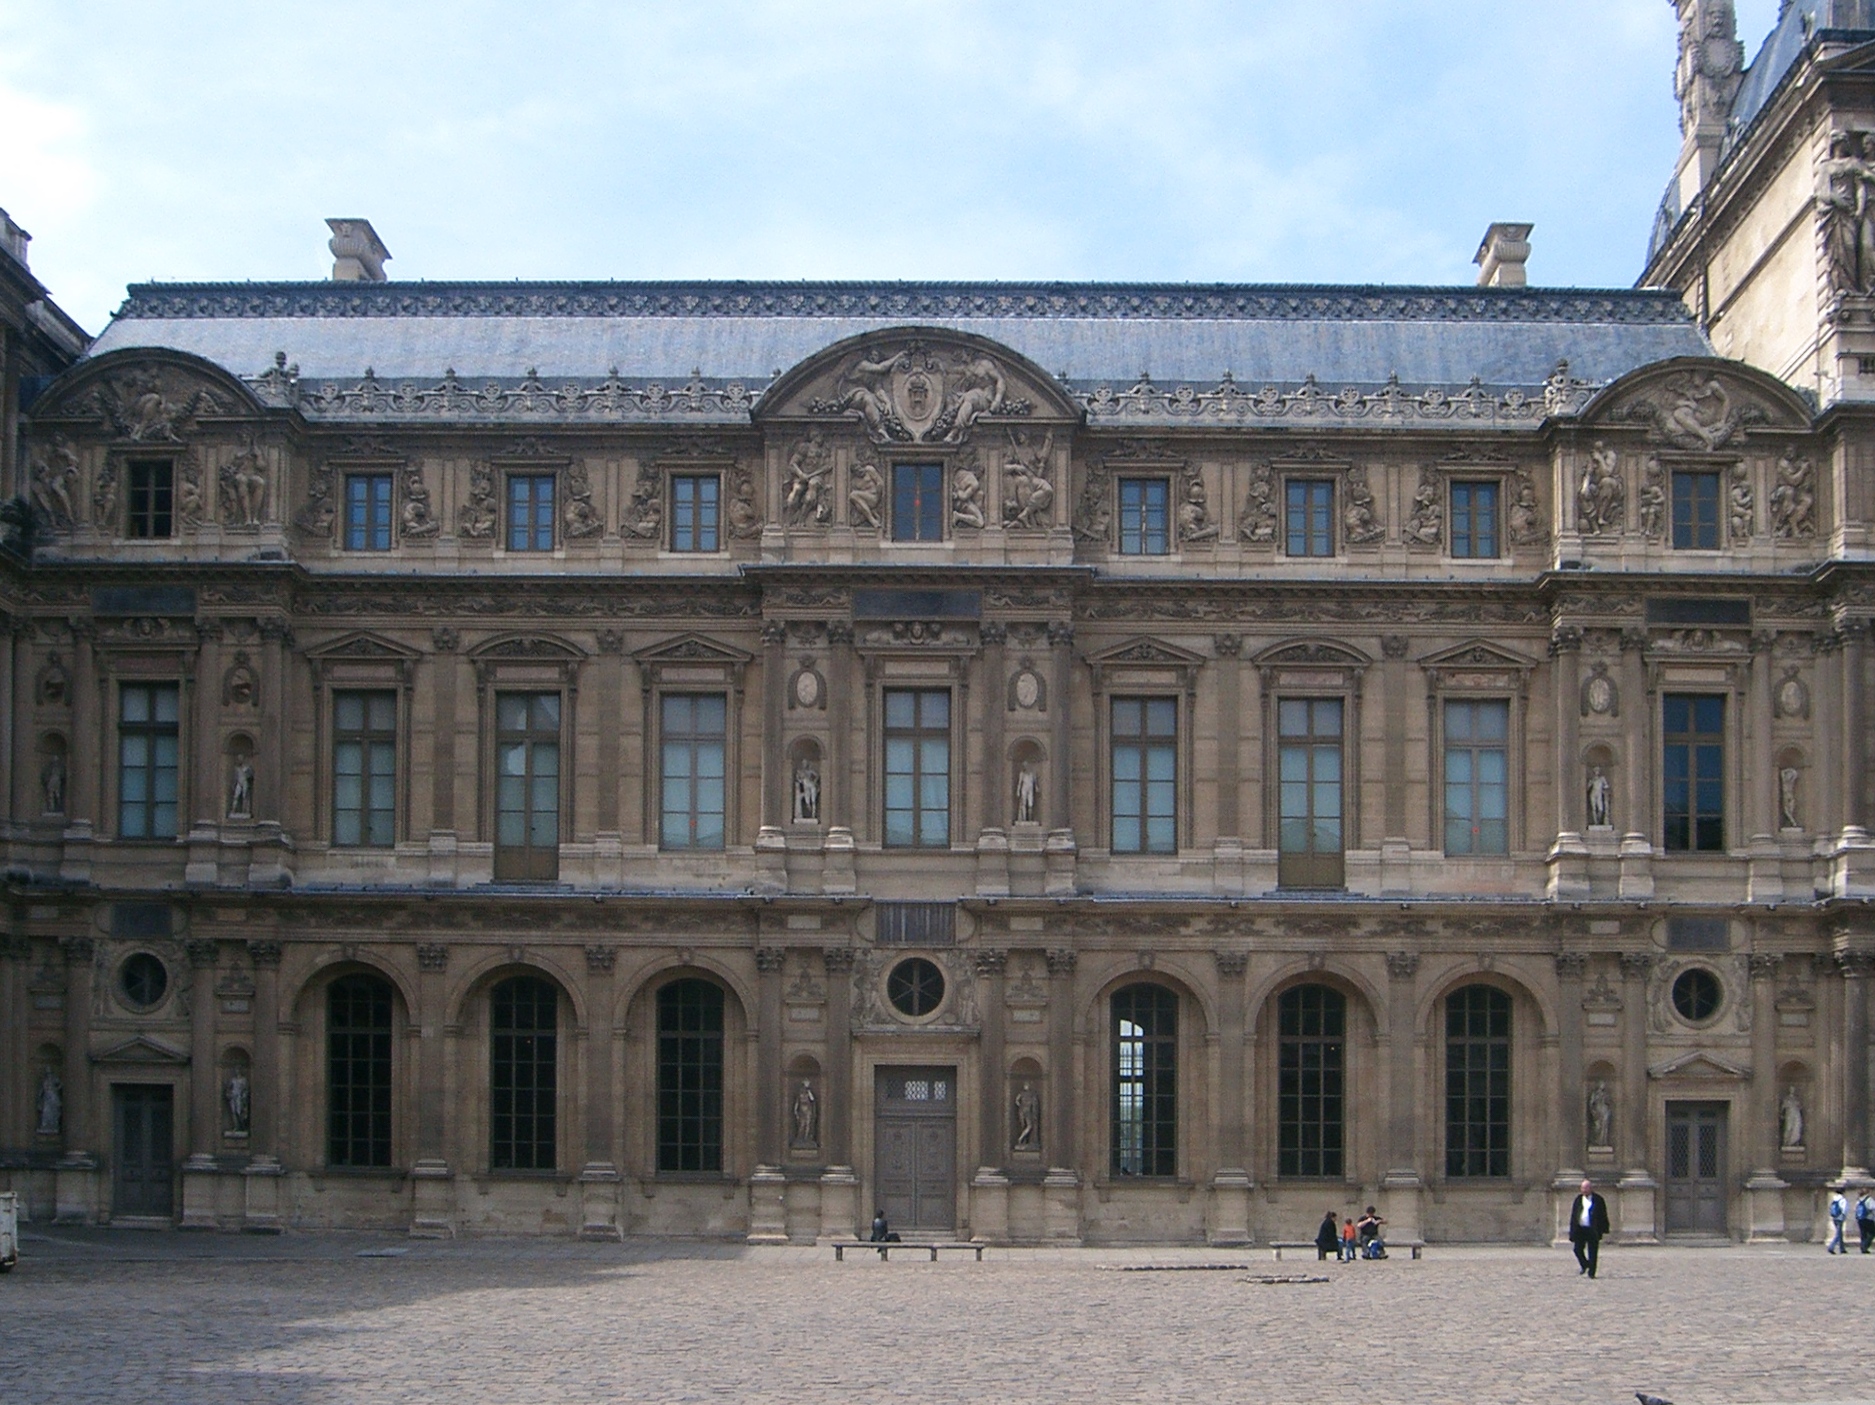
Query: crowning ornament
(921,394)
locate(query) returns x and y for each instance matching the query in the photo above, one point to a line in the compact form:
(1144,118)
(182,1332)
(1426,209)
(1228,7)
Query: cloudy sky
(1261,140)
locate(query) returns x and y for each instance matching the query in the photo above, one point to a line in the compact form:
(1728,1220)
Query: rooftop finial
(1502,256)
(358,255)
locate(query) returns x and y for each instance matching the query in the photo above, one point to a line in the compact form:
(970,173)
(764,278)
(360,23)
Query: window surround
(519,663)
(892,661)
(1717,662)
(945,467)
(368,663)
(1336,483)
(642,1023)
(1309,669)
(1144,668)
(672,473)
(510,472)
(340,472)
(1464,476)
(1478,672)
(124,658)
(690,663)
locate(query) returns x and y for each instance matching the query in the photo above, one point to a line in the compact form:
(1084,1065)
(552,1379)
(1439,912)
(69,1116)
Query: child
(1349,1249)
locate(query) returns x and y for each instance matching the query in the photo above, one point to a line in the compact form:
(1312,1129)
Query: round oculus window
(1696,995)
(143,979)
(915,987)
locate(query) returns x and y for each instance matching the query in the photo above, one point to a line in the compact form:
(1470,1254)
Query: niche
(1026,765)
(1794,1104)
(805,775)
(236,1095)
(1599,1086)
(803,1106)
(54,772)
(238,784)
(1027,1106)
(1599,775)
(48,1091)
(1792,773)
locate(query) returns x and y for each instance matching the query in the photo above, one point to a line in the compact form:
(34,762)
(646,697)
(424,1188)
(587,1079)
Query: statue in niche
(1790,1120)
(867,493)
(234,1098)
(966,496)
(1600,497)
(1028,786)
(52,785)
(1787,805)
(51,1103)
(241,793)
(1793,499)
(806,1116)
(1601,1115)
(1194,515)
(1028,1118)
(806,791)
(1842,200)
(1599,796)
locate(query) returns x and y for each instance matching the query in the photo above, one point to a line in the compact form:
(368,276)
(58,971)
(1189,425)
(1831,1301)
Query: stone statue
(1195,523)
(241,794)
(55,483)
(867,493)
(1027,493)
(806,1116)
(981,390)
(1790,1120)
(1843,206)
(966,496)
(806,791)
(52,784)
(417,518)
(1793,499)
(1600,497)
(1601,1115)
(234,1095)
(1599,795)
(810,467)
(1742,512)
(244,490)
(1426,525)
(1359,521)
(1028,1118)
(1652,498)
(51,1103)
(1028,784)
(1787,806)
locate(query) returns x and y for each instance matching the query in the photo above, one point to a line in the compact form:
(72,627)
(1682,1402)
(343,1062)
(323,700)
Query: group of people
(1839,1213)
(1351,1239)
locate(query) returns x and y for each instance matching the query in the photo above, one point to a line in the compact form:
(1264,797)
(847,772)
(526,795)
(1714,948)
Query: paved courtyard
(126,1317)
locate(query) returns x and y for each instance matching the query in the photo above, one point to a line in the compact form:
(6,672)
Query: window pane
(1144,1115)
(1477,1083)
(690,1076)
(1310,1023)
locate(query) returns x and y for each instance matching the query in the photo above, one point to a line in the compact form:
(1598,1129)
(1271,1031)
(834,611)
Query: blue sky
(1355,141)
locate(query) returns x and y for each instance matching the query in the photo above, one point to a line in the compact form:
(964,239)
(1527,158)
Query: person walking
(1838,1212)
(1865,1219)
(1327,1238)
(1588,1222)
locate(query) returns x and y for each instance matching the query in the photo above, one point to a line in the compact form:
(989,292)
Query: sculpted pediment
(1699,405)
(1478,653)
(142,397)
(917,385)
(1700,1065)
(526,648)
(362,646)
(1147,653)
(1311,653)
(692,648)
(141,1050)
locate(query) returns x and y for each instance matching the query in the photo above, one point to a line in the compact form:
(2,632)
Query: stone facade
(958,774)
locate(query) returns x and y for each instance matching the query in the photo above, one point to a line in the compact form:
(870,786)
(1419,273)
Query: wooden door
(915,1141)
(1696,1168)
(144,1174)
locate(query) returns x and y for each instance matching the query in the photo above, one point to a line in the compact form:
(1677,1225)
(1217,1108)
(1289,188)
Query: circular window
(1696,995)
(915,987)
(143,980)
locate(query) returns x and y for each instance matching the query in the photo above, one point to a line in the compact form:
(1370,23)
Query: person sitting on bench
(1368,1232)
(882,1233)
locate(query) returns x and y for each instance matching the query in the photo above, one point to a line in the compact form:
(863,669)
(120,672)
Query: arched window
(523,1069)
(1477,1082)
(690,1076)
(358,1071)
(1312,1025)
(1145,1081)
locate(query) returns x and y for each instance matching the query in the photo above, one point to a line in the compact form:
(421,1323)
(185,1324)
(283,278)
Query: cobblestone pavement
(126,1317)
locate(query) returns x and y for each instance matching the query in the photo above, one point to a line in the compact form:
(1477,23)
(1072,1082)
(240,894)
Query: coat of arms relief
(921,394)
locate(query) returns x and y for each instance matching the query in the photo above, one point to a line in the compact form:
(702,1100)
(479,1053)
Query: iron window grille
(914,924)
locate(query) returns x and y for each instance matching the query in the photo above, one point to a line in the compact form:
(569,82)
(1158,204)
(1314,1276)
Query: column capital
(1231,964)
(769,959)
(1402,965)
(775,633)
(601,957)
(264,953)
(1061,961)
(77,949)
(1571,965)
(837,959)
(432,956)
(1061,633)
(202,952)
(1764,965)
(1855,965)
(989,962)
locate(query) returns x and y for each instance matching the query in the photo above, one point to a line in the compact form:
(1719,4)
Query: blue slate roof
(1092,334)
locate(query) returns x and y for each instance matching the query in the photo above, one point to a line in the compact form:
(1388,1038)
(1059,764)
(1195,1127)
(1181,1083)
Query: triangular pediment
(1477,653)
(692,648)
(527,648)
(1700,1065)
(1147,653)
(362,645)
(142,1050)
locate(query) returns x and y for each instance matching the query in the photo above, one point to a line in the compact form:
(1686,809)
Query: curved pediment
(145,395)
(526,648)
(1699,404)
(1311,653)
(917,385)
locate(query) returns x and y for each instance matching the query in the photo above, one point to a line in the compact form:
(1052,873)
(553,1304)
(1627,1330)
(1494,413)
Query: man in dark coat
(1588,1222)
(1327,1238)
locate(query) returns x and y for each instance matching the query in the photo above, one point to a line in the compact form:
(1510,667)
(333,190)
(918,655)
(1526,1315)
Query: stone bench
(1414,1246)
(840,1246)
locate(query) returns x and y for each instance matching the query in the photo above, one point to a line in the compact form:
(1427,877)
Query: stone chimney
(1705,80)
(358,254)
(12,238)
(1502,255)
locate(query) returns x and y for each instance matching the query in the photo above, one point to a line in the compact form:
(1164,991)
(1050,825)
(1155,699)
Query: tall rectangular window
(358,1071)
(1692,772)
(1477,777)
(364,769)
(1311,1030)
(151,498)
(368,512)
(1477,1082)
(523,1074)
(918,768)
(918,502)
(527,785)
(1145,1081)
(1696,511)
(690,1076)
(1145,775)
(1310,508)
(148,744)
(1309,793)
(693,730)
(530,512)
(694,507)
(1474,519)
(1144,508)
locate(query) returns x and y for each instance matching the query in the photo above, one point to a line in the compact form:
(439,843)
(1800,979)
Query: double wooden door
(915,1147)
(144,1172)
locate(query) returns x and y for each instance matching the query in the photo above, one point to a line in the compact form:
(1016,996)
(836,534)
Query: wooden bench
(1413,1246)
(840,1246)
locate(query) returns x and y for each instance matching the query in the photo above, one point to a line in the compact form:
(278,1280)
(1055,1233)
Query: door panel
(144,1179)
(915,1147)
(1696,1168)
